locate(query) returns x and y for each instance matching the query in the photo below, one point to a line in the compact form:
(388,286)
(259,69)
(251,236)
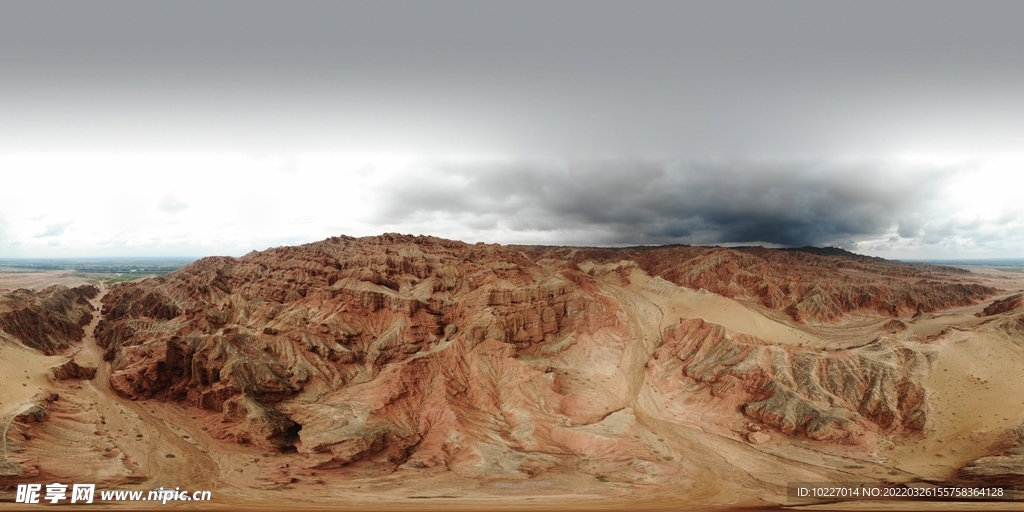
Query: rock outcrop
(1005,468)
(71,370)
(1007,317)
(1014,327)
(834,396)
(48,320)
(62,438)
(808,286)
(1012,303)
(422,352)
(239,336)
(398,367)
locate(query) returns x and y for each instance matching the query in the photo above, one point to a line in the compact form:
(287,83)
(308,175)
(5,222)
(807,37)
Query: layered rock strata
(421,352)
(826,395)
(48,320)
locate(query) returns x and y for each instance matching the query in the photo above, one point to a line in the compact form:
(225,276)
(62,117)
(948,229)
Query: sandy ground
(677,302)
(975,390)
(13,279)
(22,376)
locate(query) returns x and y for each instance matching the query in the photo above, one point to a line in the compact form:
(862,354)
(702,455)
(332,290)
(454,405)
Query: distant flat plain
(38,273)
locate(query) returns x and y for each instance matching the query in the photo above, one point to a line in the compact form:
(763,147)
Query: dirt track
(145,435)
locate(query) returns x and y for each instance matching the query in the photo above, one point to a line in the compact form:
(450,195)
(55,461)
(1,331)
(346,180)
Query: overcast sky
(194,128)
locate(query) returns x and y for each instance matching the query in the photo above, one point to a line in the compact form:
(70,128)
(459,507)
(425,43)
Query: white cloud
(53,230)
(231,204)
(171,204)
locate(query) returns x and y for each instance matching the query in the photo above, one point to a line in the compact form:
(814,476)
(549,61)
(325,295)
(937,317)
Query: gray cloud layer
(562,79)
(645,201)
(618,122)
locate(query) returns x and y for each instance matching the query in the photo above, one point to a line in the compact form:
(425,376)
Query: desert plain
(409,372)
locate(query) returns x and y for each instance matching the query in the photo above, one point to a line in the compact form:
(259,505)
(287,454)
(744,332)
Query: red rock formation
(1012,303)
(49,320)
(1008,316)
(820,286)
(71,370)
(425,352)
(239,335)
(835,396)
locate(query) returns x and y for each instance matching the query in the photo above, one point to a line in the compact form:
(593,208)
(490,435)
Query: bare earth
(636,392)
(14,279)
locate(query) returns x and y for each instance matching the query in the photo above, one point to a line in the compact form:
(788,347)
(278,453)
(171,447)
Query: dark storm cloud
(617,122)
(584,78)
(791,203)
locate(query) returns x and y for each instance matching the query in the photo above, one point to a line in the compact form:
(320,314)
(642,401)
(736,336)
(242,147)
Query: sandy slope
(12,280)
(22,376)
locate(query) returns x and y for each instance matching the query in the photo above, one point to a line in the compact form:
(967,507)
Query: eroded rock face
(49,320)
(71,370)
(1007,317)
(1005,468)
(809,284)
(423,352)
(238,336)
(996,469)
(1012,303)
(36,410)
(834,396)
(48,439)
(1014,326)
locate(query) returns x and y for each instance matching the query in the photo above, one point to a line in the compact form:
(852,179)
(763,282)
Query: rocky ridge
(406,343)
(1006,316)
(49,320)
(413,353)
(826,395)
(346,318)
(1010,304)
(809,287)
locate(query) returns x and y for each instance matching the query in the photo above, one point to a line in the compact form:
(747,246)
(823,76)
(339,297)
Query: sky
(894,129)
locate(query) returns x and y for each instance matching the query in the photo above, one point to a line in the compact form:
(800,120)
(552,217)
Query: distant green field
(1011,269)
(123,278)
(144,266)
(90,278)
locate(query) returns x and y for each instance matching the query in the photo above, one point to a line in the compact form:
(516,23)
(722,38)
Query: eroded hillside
(398,366)
(49,320)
